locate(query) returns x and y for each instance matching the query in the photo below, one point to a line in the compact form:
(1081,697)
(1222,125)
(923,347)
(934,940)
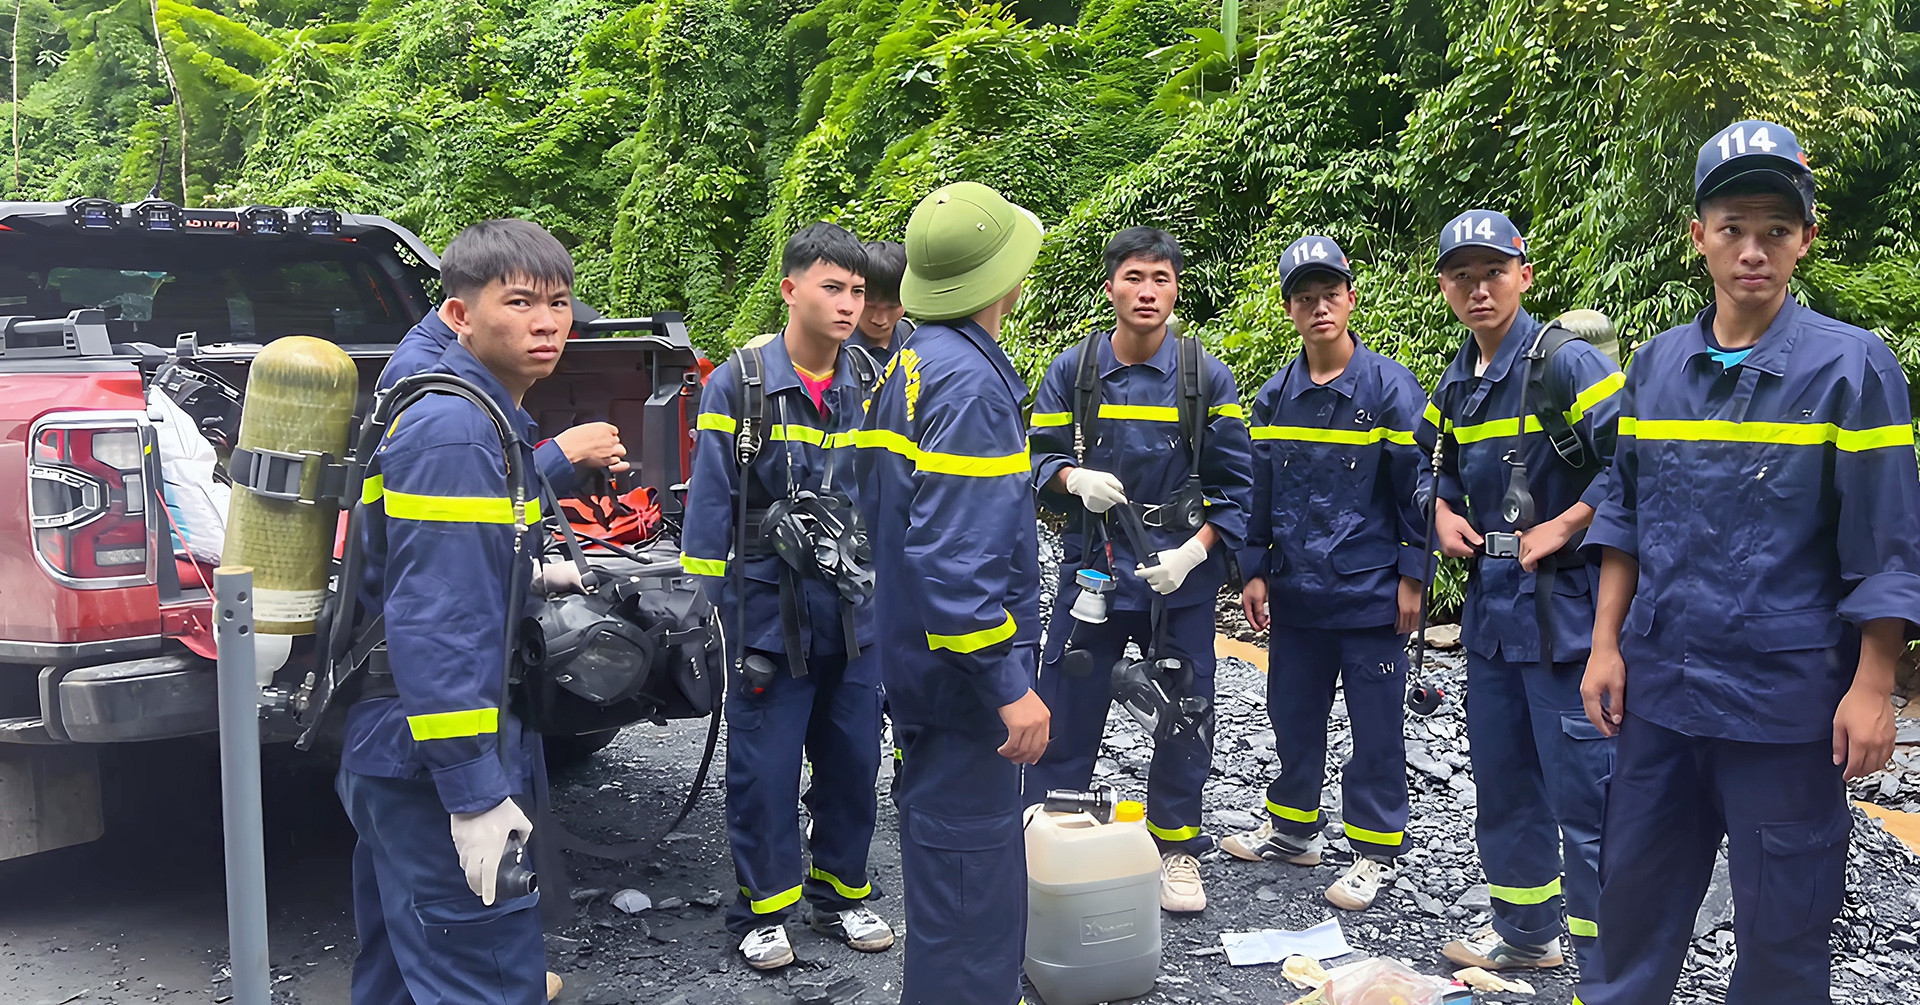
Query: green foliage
(674,144)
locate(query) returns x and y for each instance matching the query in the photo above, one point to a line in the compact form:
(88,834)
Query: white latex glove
(1097,489)
(1174,566)
(481,840)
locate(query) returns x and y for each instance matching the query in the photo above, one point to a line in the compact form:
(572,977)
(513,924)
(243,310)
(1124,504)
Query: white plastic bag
(196,501)
(1384,982)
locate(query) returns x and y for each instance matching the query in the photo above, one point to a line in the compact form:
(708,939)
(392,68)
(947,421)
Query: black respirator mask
(821,534)
(1145,688)
(587,648)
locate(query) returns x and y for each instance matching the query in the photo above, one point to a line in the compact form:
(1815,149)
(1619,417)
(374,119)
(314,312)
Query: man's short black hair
(823,242)
(1149,243)
(503,250)
(886,263)
(1758,183)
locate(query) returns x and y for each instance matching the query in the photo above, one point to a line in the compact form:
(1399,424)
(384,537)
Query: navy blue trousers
(1305,664)
(964,862)
(1539,771)
(832,717)
(1080,705)
(1784,813)
(425,939)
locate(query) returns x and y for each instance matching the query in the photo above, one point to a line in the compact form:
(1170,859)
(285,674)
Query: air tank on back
(299,400)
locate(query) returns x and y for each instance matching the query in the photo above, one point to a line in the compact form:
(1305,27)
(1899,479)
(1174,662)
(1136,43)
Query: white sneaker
(767,948)
(859,928)
(1355,890)
(1180,888)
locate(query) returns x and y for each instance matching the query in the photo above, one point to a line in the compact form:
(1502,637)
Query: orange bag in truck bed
(633,518)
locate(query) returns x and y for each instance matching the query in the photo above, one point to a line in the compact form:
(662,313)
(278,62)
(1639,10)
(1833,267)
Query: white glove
(1174,565)
(481,840)
(1097,489)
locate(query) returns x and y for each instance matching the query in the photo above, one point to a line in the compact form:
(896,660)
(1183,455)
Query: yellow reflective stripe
(778,902)
(1798,434)
(1289,813)
(1312,434)
(1602,389)
(454,725)
(1173,833)
(1432,415)
(803,434)
(455,509)
(845,439)
(704,566)
(1627,427)
(1042,420)
(1374,837)
(934,462)
(1230,411)
(1525,894)
(717,422)
(1493,428)
(1582,927)
(1141,413)
(1856,440)
(973,641)
(851,893)
(372,489)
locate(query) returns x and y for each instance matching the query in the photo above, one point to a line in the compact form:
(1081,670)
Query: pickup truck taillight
(90,498)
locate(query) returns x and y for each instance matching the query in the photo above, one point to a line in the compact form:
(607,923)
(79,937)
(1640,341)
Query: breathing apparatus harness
(578,644)
(1147,688)
(816,533)
(1517,504)
(1187,510)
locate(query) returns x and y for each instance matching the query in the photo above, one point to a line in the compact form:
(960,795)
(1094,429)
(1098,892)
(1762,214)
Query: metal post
(240,786)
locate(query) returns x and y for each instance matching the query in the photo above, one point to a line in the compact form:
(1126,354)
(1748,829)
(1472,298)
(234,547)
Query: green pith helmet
(967,247)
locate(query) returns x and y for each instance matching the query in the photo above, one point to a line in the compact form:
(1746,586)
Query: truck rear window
(232,291)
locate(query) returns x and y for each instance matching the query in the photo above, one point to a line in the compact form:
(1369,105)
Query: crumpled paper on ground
(1323,941)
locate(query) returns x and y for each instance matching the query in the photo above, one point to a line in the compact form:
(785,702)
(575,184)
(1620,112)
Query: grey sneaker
(1488,951)
(859,928)
(1263,845)
(767,948)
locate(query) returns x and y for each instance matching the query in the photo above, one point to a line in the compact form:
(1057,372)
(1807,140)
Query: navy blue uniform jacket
(1337,484)
(439,550)
(944,476)
(1774,508)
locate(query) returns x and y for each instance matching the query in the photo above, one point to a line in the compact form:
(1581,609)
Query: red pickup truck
(92,606)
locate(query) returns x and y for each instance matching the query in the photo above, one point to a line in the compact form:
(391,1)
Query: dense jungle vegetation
(673,144)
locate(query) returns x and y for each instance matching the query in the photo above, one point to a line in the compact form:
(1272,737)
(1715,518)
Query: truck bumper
(146,699)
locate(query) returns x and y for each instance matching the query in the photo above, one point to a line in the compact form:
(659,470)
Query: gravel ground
(132,919)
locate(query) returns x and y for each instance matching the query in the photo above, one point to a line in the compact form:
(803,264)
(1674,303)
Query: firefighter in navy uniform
(1137,452)
(883,325)
(803,684)
(1336,551)
(424,776)
(1538,764)
(944,482)
(1760,575)
(590,444)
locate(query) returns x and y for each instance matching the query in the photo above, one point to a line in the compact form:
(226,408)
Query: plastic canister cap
(1128,811)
